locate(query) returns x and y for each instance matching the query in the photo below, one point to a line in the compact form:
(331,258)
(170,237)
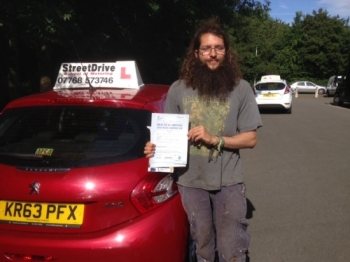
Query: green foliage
(155,33)
(324,44)
(314,47)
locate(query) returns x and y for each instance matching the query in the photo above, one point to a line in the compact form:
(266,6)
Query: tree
(154,33)
(37,36)
(322,43)
(265,49)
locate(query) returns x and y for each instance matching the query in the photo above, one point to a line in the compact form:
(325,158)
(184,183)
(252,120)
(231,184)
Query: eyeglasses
(206,50)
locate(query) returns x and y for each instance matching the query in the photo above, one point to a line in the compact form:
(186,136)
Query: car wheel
(321,92)
(336,100)
(289,110)
(328,94)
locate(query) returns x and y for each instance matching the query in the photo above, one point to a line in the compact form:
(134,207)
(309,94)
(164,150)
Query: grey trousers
(217,222)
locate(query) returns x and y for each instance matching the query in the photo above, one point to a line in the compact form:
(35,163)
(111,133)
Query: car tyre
(336,100)
(321,92)
(289,110)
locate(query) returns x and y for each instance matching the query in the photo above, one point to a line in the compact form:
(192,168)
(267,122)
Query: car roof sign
(270,78)
(121,74)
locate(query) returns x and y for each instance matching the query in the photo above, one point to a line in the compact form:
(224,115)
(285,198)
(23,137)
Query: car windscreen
(72,136)
(269,86)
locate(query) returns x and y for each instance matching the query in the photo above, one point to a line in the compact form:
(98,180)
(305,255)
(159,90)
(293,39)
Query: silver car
(307,87)
(332,84)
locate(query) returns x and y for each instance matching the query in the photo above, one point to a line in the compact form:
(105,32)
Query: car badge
(34,188)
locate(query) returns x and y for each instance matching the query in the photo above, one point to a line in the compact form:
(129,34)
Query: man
(224,118)
(45,84)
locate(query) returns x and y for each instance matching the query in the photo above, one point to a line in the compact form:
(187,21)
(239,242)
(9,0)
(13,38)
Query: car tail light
(153,191)
(287,90)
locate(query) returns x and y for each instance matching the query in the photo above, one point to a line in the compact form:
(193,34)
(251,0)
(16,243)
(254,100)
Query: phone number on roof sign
(79,80)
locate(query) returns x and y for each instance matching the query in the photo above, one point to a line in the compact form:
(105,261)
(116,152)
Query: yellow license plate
(269,95)
(41,214)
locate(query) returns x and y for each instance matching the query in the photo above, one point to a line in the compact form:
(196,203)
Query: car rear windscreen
(269,86)
(72,136)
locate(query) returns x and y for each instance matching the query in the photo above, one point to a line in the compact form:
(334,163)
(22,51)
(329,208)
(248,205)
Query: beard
(211,84)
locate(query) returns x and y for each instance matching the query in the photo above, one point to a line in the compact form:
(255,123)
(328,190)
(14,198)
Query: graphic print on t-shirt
(209,113)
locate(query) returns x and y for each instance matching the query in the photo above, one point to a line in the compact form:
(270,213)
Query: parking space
(298,180)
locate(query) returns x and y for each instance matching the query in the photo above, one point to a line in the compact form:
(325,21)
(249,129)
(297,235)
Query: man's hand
(149,149)
(200,134)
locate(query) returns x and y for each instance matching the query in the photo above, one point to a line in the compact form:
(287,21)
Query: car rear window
(269,86)
(72,136)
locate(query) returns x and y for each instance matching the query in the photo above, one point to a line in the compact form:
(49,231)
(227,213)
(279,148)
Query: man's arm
(239,141)
(242,140)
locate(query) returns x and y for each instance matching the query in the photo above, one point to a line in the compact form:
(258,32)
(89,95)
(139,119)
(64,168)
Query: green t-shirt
(239,114)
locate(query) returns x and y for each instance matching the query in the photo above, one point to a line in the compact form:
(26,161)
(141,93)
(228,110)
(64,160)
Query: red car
(74,184)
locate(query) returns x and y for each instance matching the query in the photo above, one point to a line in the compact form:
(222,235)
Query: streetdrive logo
(121,74)
(104,68)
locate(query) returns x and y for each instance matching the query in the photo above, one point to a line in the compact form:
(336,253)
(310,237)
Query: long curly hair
(187,71)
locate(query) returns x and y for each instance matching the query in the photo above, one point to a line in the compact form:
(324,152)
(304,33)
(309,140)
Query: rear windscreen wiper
(22,156)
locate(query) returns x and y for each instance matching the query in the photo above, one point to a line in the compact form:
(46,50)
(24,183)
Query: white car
(307,87)
(273,92)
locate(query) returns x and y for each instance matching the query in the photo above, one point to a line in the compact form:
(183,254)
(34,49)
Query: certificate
(169,134)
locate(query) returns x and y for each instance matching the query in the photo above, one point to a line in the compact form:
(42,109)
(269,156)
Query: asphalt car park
(297,180)
(74,184)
